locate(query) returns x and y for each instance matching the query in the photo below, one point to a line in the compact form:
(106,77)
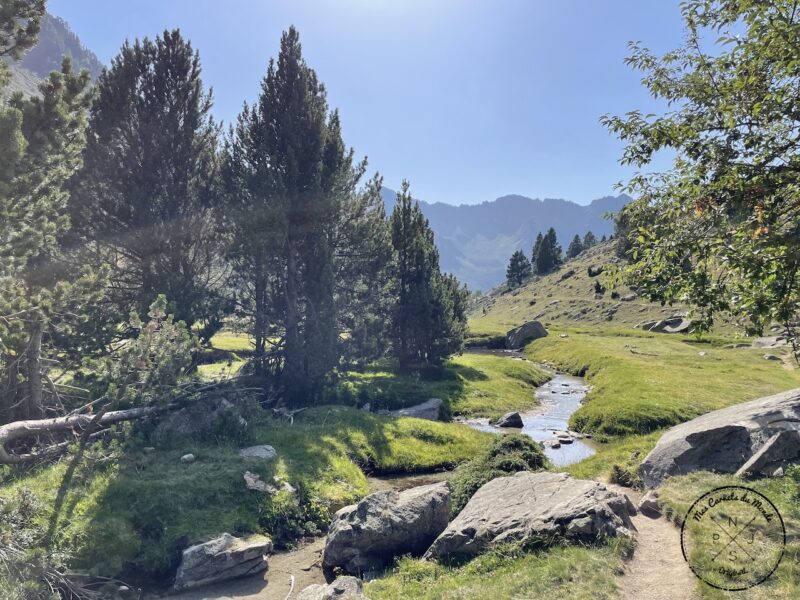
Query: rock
(263,452)
(254,482)
(124,593)
(225,557)
(187,458)
(683,326)
(429,410)
(702,353)
(148,449)
(770,342)
(648,505)
(554,444)
(368,536)
(771,357)
(598,296)
(676,324)
(529,506)
(565,439)
(724,440)
(778,472)
(366,407)
(510,419)
(629,297)
(196,419)
(527,332)
(346,588)
(564,335)
(784,443)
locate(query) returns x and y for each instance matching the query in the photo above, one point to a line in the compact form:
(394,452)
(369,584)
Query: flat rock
(725,440)
(427,410)
(648,505)
(225,557)
(770,342)
(510,419)
(263,452)
(368,536)
(527,332)
(529,506)
(344,588)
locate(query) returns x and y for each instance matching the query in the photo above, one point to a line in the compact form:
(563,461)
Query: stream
(558,399)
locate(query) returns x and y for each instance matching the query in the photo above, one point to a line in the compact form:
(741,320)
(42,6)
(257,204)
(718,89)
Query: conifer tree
(429,316)
(519,269)
(144,198)
(575,247)
(547,256)
(589,240)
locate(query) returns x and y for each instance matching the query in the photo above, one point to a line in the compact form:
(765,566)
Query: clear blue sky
(468,99)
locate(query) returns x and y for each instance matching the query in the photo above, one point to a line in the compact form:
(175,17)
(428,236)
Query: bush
(508,454)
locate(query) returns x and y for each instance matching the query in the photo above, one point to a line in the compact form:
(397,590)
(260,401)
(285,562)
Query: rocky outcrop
(510,419)
(675,324)
(529,506)
(427,410)
(262,452)
(344,588)
(527,332)
(225,557)
(756,437)
(367,536)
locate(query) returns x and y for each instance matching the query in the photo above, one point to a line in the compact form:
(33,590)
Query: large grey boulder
(726,440)
(344,588)
(530,506)
(367,536)
(676,324)
(427,410)
(225,557)
(527,332)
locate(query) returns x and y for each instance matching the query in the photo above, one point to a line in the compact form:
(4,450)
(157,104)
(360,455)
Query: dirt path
(657,570)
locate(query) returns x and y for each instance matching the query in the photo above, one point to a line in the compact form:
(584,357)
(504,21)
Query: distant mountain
(475,241)
(56,40)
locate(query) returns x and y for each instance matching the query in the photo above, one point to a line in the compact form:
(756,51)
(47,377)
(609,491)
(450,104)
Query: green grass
(678,493)
(219,370)
(474,385)
(642,382)
(627,453)
(232,341)
(575,572)
(136,512)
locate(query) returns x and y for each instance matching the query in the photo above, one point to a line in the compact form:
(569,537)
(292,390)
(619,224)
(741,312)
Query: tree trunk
(34,407)
(293,355)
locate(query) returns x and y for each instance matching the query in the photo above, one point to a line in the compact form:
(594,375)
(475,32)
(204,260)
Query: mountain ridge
(476,240)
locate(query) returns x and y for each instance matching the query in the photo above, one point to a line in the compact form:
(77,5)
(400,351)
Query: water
(558,399)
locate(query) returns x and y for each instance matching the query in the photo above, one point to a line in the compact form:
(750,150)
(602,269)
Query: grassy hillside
(566,296)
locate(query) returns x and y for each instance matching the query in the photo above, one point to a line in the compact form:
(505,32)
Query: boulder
(225,557)
(510,419)
(629,297)
(198,419)
(770,342)
(346,588)
(187,458)
(726,440)
(771,357)
(648,505)
(675,324)
(368,536)
(530,506)
(427,410)
(263,452)
(527,332)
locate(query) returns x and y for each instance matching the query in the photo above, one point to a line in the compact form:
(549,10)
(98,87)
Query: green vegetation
(642,382)
(678,493)
(624,453)
(232,341)
(472,384)
(141,508)
(508,454)
(576,572)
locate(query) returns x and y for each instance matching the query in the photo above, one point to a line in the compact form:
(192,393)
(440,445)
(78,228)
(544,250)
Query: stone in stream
(529,506)
(344,588)
(527,332)
(225,557)
(510,419)
(727,440)
(427,410)
(369,535)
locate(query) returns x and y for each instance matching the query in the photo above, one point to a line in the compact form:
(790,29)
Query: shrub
(508,454)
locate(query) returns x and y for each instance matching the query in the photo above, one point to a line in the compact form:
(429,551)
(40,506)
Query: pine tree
(603,239)
(41,289)
(144,198)
(536,252)
(547,253)
(519,269)
(589,240)
(429,316)
(575,247)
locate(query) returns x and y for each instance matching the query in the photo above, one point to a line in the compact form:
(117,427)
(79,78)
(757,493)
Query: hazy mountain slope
(56,40)
(475,241)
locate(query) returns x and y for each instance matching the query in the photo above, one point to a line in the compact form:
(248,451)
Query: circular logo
(733,538)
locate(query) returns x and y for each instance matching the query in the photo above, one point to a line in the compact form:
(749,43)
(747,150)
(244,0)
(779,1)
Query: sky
(467,99)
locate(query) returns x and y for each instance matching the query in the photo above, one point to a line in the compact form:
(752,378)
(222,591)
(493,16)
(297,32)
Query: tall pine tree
(547,253)
(519,269)
(429,316)
(575,247)
(144,198)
